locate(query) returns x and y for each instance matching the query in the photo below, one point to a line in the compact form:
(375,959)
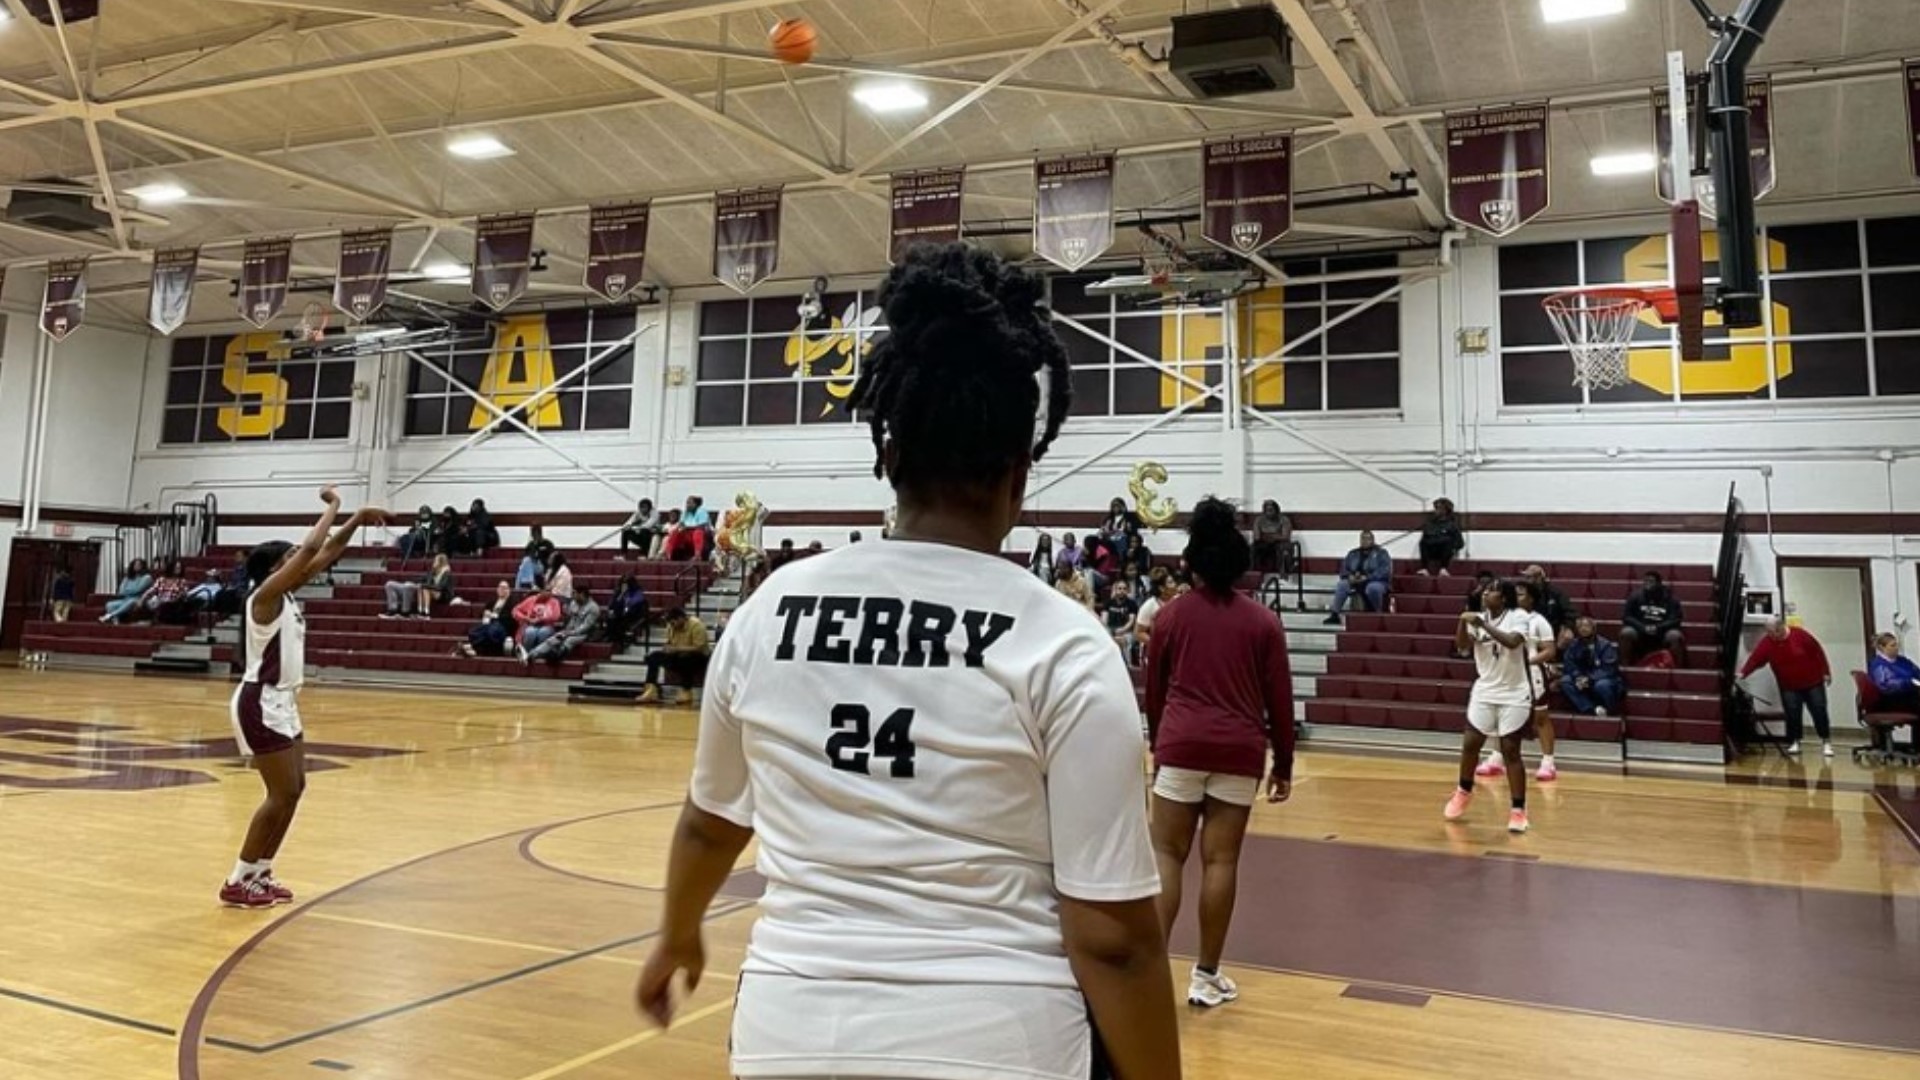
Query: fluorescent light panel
(887,97)
(158,193)
(1624,164)
(1559,11)
(479,147)
(448,271)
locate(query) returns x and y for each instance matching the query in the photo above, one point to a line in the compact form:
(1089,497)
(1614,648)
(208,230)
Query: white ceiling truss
(303,117)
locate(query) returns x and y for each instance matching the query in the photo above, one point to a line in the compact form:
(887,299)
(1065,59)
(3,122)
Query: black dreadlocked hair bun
(1216,550)
(953,382)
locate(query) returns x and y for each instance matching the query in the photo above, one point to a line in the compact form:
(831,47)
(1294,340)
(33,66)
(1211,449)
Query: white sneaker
(1826,749)
(1793,748)
(1600,711)
(1211,991)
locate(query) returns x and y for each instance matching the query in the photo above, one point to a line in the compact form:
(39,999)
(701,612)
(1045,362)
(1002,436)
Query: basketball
(793,40)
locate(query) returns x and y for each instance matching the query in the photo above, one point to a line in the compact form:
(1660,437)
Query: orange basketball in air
(793,40)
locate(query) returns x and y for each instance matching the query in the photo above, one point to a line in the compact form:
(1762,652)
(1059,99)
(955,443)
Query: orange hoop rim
(1663,302)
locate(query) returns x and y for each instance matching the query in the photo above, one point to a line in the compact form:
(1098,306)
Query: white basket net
(1597,329)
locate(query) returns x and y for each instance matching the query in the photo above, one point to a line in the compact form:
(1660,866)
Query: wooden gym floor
(479,878)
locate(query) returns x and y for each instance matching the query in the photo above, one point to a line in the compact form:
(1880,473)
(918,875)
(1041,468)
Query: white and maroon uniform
(266,708)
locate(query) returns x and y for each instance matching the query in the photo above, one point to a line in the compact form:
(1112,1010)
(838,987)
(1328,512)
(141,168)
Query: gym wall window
(528,355)
(243,388)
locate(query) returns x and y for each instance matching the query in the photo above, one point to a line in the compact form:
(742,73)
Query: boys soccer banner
(360,282)
(1248,186)
(1759,134)
(617,252)
(266,266)
(502,258)
(63,307)
(926,209)
(1073,209)
(746,236)
(171,292)
(1498,167)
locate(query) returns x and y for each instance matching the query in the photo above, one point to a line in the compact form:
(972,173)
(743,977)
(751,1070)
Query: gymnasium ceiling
(306,116)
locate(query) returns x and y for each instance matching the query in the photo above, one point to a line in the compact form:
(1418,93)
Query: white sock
(1546,761)
(242,870)
(1493,756)
(263,868)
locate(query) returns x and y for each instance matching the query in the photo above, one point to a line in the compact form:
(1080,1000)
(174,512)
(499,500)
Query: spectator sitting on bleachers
(687,536)
(1551,604)
(447,525)
(204,596)
(1895,676)
(496,627)
(531,572)
(627,611)
(1480,583)
(1137,565)
(478,535)
(134,583)
(559,577)
(1074,586)
(416,598)
(62,594)
(781,555)
(1040,563)
(164,599)
(1098,563)
(854,537)
(1440,539)
(1590,671)
(815,548)
(685,656)
(1652,621)
(1068,560)
(1120,611)
(642,530)
(1161,589)
(583,621)
(1273,541)
(538,618)
(419,539)
(1120,529)
(537,543)
(1367,571)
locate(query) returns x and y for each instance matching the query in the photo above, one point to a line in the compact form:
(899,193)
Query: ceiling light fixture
(1624,164)
(1559,11)
(158,193)
(890,97)
(479,147)
(448,271)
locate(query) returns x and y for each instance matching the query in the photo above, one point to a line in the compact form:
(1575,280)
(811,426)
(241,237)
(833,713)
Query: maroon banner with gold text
(1498,167)
(926,209)
(1759,132)
(746,236)
(617,248)
(360,283)
(266,267)
(1248,187)
(63,307)
(502,258)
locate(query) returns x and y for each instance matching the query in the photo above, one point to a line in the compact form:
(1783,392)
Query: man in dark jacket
(1590,671)
(1367,570)
(1552,604)
(1652,621)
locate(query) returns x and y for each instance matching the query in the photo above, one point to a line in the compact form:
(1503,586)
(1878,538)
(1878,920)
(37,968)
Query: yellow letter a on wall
(520,371)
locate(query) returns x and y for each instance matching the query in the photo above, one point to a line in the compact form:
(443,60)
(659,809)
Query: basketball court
(565,255)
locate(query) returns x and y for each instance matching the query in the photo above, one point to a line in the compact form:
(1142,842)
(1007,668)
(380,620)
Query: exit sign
(62,530)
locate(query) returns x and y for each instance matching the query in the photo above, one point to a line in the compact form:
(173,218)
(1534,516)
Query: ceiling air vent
(1234,52)
(58,211)
(71,11)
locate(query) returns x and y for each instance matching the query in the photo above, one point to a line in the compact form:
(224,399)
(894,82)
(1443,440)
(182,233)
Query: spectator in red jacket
(538,618)
(1219,693)
(1800,668)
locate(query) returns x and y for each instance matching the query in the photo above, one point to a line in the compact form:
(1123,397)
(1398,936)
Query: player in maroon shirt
(1219,691)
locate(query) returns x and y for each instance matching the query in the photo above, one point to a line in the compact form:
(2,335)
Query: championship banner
(63,307)
(617,254)
(926,209)
(1759,135)
(266,266)
(1912,72)
(171,294)
(746,236)
(502,258)
(360,282)
(1073,209)
(1248,188)
(1498,167)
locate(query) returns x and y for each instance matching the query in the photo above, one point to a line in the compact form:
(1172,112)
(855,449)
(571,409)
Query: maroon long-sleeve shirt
(1799,663)
(1219,688)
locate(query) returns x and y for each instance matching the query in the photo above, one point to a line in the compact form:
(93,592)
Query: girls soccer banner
(617,254)
(926,209)
(266,268)
(360,282)
(1248,188)
(63,307)
(1498,167)
(746,236)
(171,293)
(1759,134)
(1073,209)
(502,258)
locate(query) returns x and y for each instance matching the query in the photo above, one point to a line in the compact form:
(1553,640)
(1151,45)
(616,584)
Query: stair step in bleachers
(1443,625)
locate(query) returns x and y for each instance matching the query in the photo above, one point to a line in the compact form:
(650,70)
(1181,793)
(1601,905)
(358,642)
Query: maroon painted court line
(1806,963)
(1903,806)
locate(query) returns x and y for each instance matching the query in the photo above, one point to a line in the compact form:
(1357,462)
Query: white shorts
(1190,787)
(825,1029)
(1489,719)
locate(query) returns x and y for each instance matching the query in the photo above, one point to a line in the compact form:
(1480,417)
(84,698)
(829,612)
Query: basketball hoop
(1596,325)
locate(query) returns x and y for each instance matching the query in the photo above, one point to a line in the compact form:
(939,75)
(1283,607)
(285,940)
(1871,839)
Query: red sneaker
(252,893)
(280,893)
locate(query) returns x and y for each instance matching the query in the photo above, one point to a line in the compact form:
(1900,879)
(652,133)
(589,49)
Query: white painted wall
(1451,437)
